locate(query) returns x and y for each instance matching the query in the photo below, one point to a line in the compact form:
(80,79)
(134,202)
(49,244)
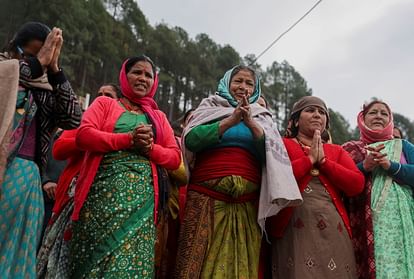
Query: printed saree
(115,234)
(382,220)
(21,200)
(392,206)
(220,237)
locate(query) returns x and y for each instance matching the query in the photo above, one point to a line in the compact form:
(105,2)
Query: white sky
(347,50)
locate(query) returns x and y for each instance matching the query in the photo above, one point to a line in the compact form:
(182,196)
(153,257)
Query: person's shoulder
(407,145)
(334,148)
(214,101)
(290,143)
(160,113)
(288,140)
(105,99)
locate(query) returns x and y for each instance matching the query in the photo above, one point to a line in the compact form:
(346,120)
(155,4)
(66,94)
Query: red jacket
(65,148)
(96,137)
(338,174)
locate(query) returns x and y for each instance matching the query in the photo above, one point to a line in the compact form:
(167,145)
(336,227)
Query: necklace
(131,109)
(302,144)
(306,148)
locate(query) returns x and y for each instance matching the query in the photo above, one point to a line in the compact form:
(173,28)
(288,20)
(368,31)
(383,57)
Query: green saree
(115,234)
(393,218)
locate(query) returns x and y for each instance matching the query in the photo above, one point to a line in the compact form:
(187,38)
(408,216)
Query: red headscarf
(147,103)
(368,135)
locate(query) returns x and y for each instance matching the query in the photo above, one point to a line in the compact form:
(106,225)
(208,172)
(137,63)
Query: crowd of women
(231,198)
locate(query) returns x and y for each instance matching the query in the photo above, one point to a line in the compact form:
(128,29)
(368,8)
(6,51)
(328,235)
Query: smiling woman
(230,144)
(382,217)
(377,116)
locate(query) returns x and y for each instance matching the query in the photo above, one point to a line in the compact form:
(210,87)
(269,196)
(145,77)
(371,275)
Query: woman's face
(108,91)
(32,48)
(242,84)
(397,133)
(310,119)
(377,117)
(141,78)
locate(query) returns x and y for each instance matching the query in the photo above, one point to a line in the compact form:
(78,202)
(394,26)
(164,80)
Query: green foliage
(339,128)
(100,34)
(405,125)
(283,86)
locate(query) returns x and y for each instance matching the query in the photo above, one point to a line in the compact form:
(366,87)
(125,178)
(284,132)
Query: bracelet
(398,170)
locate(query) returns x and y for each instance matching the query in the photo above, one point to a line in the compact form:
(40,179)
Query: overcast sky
(347,50)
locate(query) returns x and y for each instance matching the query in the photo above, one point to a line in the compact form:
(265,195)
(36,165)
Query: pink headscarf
(147,103)
(369,136)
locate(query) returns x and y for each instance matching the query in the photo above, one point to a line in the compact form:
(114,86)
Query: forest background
(100,34)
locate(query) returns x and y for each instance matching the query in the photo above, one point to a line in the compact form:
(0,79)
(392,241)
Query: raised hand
(316,153)
(237,114)
(254,127)
(54,63)
(230,121)
(47,51)
(245,109)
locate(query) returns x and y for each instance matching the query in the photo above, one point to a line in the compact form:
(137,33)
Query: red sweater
(96,137)
(338,174)
(65,148)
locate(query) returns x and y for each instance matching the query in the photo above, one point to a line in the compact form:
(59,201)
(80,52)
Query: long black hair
(28,32)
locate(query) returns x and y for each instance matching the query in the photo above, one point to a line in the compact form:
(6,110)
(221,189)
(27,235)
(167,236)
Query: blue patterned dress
(21,204)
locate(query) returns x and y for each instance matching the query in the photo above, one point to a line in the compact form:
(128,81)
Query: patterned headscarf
(147,103)
(368,135)
(223,89)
